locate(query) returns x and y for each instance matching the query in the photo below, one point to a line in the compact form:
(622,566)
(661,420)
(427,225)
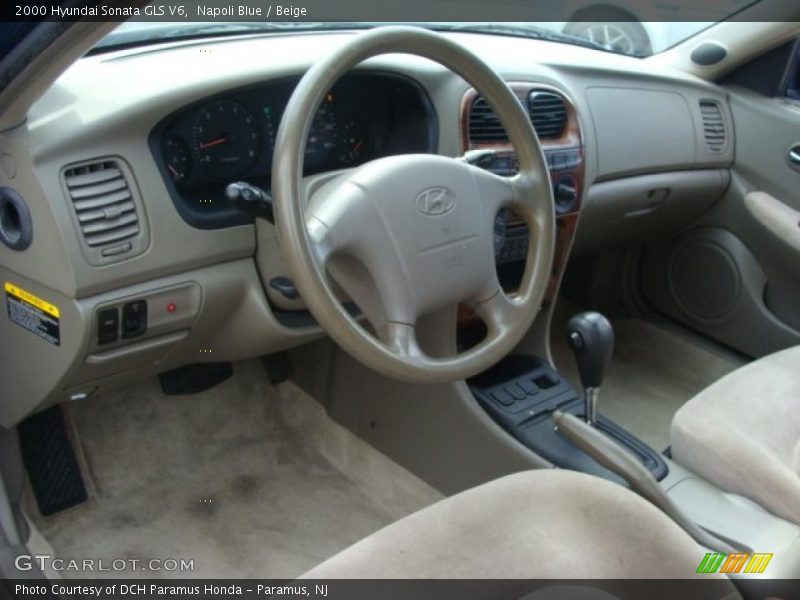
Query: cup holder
(16,229)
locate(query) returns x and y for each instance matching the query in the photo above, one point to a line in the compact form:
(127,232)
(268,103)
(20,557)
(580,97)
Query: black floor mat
(193,379)
(51,463)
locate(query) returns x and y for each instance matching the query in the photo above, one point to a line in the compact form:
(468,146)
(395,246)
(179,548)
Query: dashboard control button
(108,326)
(565,192)
(528,386)
(515,392)
(573,159)
(503,397)
(134,319)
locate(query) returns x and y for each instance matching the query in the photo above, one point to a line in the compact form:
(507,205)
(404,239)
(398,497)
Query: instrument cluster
(231,137)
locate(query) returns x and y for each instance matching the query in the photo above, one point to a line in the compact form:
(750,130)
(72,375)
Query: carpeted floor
(653,372)
(250,480)
(246,479)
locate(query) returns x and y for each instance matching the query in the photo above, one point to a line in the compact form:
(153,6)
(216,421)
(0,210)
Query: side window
(774,74)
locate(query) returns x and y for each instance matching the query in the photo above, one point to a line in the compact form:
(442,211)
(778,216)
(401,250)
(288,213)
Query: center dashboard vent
(713,126)
(548,114)
(105,209)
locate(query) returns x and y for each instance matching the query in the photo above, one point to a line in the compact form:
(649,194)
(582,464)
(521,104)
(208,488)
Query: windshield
(631,37)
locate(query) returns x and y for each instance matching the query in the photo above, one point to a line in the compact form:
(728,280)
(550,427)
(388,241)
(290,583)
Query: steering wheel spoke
(401,339)
(496,191)
(323,242)
(499,313)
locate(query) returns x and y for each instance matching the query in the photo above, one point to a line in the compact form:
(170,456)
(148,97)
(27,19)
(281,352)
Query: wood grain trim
(565,231)
(566,223)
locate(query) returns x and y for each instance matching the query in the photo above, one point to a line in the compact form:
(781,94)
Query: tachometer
(227,139)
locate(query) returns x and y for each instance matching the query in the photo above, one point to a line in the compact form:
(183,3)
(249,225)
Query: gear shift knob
(591,338)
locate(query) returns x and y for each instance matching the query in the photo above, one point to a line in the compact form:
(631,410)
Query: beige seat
(743,433)
(535,524)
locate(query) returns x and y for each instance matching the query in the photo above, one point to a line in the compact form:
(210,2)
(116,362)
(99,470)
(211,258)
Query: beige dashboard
(646,163)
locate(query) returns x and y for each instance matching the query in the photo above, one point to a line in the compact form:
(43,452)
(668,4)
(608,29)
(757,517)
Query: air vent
(104,205)
(713,126)
(484,126)
(548,113)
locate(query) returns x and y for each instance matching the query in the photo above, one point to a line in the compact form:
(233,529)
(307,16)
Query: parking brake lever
(619,461)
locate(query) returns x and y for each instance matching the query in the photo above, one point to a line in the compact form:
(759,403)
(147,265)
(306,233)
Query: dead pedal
(50,461)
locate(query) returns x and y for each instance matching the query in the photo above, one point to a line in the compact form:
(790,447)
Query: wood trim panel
(566,223)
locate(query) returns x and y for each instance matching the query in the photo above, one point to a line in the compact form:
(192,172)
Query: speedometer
(227,139)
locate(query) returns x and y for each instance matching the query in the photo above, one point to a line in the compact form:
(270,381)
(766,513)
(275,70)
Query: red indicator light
(171,307)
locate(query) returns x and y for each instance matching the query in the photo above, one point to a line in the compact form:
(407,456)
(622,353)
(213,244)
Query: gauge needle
(174,171)
(215,142)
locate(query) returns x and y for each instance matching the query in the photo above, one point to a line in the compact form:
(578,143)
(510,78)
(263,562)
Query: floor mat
(246,480)
(653,372)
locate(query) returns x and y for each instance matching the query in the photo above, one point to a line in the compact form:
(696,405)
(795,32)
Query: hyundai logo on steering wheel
(435,201)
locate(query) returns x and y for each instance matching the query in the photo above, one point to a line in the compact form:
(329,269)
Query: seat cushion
(743,433)
(535,524)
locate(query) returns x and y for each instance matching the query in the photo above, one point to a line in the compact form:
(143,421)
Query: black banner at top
(395,11)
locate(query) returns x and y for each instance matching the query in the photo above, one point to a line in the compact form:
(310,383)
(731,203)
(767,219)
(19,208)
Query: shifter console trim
(521,393)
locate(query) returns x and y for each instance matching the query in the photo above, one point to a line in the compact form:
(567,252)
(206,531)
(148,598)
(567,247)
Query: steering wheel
(405,236)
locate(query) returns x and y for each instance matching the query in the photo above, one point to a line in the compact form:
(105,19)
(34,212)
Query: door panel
(734,274)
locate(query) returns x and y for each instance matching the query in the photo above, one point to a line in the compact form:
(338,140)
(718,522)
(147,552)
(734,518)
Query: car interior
(403,301)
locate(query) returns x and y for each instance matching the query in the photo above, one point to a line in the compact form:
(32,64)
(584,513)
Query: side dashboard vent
(713,126)
(548,114)
(105,209)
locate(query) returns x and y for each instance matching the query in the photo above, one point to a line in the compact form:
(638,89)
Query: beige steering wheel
(405,236)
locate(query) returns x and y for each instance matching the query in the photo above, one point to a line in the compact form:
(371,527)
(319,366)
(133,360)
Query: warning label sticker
(33,313)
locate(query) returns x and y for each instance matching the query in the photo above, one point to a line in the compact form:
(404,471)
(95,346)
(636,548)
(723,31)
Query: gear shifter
(591,338)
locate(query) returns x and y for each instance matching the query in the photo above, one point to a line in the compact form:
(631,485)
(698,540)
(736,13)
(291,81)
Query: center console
(521,394)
